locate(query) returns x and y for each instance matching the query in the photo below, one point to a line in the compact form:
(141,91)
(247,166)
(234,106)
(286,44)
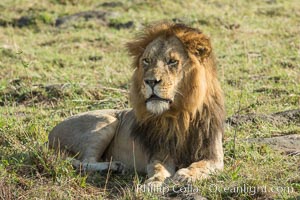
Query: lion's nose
(152,83)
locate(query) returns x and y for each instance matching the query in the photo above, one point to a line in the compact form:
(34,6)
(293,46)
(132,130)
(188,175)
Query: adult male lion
(175,128)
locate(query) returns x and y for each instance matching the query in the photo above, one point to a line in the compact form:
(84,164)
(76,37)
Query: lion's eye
(146,61)
(172,62)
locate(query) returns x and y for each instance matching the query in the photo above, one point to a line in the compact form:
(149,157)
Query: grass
(48,73)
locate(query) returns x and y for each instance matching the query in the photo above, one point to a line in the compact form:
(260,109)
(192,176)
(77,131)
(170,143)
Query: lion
(175,128)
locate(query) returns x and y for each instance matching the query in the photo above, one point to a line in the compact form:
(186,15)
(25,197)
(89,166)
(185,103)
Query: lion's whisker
(178,92)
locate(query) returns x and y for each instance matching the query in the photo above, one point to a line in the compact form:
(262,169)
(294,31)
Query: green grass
(49,73)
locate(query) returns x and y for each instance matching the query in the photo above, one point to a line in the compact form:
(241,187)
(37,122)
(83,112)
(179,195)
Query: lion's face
(162,66)
(174,69)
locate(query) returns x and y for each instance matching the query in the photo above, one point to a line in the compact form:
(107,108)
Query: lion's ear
(196,43)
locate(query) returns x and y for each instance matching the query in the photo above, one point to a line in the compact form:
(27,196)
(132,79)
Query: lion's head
(174,85)
(173,66)
(161,67)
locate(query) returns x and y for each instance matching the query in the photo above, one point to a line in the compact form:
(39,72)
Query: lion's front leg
(203,168)
(159,171)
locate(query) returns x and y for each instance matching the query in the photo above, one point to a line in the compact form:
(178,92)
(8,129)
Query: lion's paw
(118,167)
(189,175)
(184,175)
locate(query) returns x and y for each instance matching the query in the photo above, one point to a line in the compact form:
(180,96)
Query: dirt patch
(119,25)
(105,18)
(112,4)
(19,92)
(102,16)
(288,64)
(25,21)
(95,58)
(275,79)
(278,118)
(32,18)
(288,144)
(276,92)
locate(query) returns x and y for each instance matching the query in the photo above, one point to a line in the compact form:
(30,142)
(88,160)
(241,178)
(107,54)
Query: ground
(62,57)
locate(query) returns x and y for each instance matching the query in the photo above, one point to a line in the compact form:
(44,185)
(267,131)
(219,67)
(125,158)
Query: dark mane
(185,147)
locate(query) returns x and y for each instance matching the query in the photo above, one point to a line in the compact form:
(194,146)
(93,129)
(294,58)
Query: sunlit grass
(48,73)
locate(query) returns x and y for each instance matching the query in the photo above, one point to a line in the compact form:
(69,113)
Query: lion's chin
(157,107)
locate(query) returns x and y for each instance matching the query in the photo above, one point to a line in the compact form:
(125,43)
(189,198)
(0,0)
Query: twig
(134,163)
(108,175)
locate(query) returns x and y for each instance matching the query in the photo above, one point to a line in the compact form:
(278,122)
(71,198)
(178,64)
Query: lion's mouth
(154,97)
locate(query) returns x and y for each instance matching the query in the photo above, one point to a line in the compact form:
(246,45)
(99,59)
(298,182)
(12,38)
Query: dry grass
(48,73)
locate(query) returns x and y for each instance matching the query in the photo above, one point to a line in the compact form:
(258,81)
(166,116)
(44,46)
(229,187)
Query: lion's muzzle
(155,102)
(154,97)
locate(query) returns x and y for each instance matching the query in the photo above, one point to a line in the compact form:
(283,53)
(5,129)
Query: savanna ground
(51,69)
